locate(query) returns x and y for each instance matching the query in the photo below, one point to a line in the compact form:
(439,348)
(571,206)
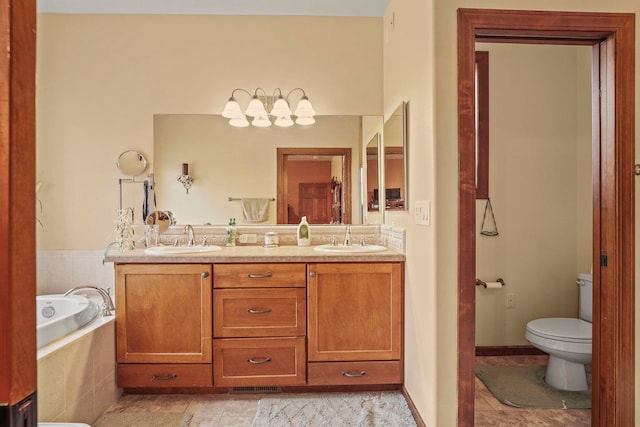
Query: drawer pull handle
(259,362)
(348,375)
(259,276)
(252,311)
(164,377)
(205,275)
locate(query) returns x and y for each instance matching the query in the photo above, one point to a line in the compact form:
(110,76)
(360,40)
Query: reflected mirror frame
(403,111)
(377,140)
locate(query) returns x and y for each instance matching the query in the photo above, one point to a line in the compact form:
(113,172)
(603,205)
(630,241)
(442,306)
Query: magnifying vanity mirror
(395,160)
(132,163)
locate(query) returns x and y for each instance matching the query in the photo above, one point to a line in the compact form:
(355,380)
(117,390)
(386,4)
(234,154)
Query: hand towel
(255,210)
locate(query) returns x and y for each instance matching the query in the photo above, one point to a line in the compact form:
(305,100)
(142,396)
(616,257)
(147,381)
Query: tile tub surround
(60,270)
(77,375)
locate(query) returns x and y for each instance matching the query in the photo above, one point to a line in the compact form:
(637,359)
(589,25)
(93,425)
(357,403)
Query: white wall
(101,79)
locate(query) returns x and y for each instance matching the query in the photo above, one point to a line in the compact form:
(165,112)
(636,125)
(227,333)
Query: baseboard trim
(412,407)
(510,350)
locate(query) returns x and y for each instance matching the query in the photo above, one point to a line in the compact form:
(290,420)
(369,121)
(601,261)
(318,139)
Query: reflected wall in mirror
(132,163)
(395,159)
(313,182)
(237,162)
(373,173)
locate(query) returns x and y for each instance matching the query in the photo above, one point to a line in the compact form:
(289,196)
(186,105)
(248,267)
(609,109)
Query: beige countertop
(244,254)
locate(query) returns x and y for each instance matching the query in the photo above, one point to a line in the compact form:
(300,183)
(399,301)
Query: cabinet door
(163,313)
(354,311)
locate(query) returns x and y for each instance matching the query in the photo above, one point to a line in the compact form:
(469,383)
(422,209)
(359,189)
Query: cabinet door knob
(259,362)
(205,275)
(312,274)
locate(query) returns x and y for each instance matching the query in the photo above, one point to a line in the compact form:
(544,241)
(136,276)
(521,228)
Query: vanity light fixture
(264,108)
(185,179)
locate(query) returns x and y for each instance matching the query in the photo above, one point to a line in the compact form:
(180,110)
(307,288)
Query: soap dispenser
(304,234)
(232,233)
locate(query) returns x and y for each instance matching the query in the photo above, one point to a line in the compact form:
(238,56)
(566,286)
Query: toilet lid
(564,329)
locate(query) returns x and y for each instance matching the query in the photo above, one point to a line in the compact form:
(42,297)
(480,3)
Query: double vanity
(249,317)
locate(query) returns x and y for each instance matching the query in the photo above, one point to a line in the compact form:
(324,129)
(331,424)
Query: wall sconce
(263,108)
(185,179)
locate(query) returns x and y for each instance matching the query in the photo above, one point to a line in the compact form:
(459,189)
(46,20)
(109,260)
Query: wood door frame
(613,38)
(17,206)
(282,183)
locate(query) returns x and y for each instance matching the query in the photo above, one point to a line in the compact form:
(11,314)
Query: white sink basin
(353,249)
(180,250)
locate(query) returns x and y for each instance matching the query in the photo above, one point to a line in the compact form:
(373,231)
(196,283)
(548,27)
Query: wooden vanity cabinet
(259,324)
(163,325)
(354,315)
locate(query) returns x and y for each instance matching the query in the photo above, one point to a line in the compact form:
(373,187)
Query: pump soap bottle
(304,234)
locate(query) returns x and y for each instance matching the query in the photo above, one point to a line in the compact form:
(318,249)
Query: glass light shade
(239,122)
(256,108)
(284,121)
(232,110)
(261,122)
(280,108)
(305,121)
(304,108)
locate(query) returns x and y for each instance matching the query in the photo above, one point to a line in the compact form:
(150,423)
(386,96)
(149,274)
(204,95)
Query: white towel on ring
(255,210)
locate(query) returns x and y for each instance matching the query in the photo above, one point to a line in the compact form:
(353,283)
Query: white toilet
(567,341)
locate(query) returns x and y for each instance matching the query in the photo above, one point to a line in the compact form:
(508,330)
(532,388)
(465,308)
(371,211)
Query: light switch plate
(423,212)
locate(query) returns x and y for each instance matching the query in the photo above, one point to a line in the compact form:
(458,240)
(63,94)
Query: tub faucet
(191,236)
(347,236)
(107,302)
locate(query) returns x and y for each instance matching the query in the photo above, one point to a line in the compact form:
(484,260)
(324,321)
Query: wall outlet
(511,300)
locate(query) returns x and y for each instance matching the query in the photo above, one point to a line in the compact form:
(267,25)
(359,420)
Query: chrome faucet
(107,302)
(347,236)
(191,236)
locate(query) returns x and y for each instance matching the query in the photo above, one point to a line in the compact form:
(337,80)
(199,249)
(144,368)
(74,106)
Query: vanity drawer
(259,275)
(164,375)
(352,373)
(265,312)
(258,361)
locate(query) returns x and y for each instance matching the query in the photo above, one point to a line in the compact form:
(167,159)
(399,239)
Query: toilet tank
(586,297)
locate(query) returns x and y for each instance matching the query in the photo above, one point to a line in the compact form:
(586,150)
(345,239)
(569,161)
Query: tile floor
(490,412)
(238,410)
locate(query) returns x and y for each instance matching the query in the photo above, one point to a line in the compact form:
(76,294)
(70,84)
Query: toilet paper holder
(490,284)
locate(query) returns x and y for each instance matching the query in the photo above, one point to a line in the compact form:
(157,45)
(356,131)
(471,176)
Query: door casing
(612,36)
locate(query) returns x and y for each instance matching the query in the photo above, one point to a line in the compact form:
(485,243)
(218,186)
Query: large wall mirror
(395,160)
(235,163)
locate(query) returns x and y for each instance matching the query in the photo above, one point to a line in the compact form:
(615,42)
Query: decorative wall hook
(185,179)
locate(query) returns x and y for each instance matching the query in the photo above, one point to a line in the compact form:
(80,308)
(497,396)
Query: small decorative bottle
(232,233)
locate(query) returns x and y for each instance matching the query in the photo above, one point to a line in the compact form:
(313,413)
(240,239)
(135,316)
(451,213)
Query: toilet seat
(561,329)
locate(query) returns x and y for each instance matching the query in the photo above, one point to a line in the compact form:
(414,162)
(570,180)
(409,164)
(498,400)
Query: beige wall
(533,185)
(101,79)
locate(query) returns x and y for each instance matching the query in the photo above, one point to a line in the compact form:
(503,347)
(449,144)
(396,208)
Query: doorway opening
(316,183)
(612,37)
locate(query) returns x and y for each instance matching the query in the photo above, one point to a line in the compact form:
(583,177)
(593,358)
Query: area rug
(383,409)
(524,387)
(144,419)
